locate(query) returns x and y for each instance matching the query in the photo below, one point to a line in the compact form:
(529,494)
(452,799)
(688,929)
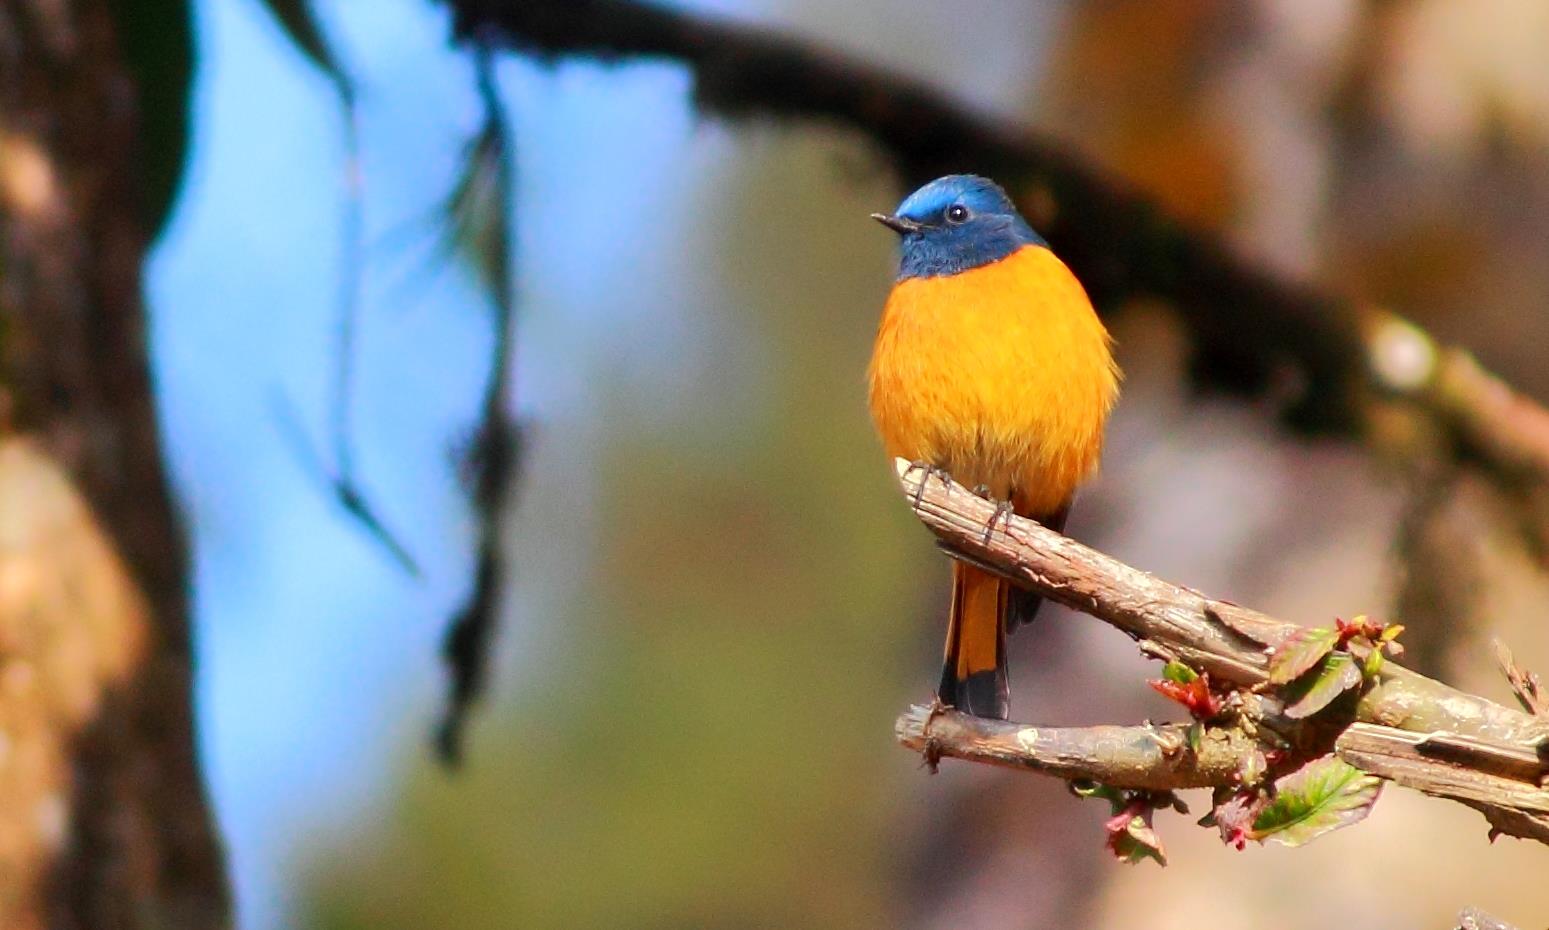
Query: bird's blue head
(955,223)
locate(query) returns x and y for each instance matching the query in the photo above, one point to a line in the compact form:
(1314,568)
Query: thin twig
(347,319)
(344,481)
(1153,758)
(340,478)
(1525,685)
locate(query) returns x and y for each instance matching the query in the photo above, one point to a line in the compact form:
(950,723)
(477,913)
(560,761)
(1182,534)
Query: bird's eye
(957,213)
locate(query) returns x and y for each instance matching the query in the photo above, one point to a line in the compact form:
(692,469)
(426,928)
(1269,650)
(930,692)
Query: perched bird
(991,365)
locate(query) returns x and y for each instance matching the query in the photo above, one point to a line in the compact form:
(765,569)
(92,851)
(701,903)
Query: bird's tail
(974,677)
(1025,603)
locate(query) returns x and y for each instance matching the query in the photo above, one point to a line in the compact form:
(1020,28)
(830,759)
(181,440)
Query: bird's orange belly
(1002,375)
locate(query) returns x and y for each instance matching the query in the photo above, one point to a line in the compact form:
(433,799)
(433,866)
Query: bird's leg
(929,469)
(932,751)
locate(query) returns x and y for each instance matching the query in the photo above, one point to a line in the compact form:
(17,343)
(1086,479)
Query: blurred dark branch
(1254,331)
(1436,556)
(480,229)
(1405,727)
(1495,423)
(300,23)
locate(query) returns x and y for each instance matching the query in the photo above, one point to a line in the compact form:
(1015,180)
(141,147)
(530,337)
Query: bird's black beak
(901,225)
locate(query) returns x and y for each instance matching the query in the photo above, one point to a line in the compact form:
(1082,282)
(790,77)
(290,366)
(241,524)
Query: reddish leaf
(1234,817)
(1366,628)
(1299,653)
(1202,703)
(1130,835)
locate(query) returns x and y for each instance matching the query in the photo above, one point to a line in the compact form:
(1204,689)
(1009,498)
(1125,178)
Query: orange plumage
(1001,374)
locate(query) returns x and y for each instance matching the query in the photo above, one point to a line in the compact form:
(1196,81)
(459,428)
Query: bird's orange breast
(1001,374)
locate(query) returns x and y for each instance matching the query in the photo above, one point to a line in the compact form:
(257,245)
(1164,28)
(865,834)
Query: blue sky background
(317,656)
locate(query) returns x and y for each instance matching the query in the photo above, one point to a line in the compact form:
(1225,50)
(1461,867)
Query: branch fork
(1392,724)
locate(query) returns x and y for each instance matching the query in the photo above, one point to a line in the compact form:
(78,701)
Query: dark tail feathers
(973,677)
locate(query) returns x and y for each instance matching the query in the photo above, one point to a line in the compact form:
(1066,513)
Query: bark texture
(103,818)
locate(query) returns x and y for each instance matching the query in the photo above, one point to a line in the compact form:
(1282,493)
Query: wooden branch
(1153,758)
(1230,642)
(1406,727)
(1249,324)
(1430,762)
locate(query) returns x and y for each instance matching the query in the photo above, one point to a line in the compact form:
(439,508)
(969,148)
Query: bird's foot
(931,754)
(1002,515)
(930,470)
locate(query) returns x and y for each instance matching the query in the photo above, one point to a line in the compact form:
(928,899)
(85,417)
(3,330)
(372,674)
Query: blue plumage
(956,223)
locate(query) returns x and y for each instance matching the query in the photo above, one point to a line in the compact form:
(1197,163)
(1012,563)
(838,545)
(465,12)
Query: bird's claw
(931,754)
(1002,515)
(930,471)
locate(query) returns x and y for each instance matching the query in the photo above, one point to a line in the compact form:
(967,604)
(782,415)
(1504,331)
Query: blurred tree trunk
(103,819)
